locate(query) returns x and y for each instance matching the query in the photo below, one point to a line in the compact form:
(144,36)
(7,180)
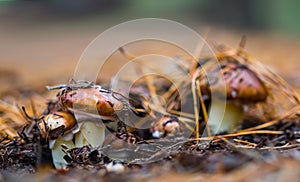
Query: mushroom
(56,124)
(57,128)
(89,133)
(243,87)
(165,125)
(90,106)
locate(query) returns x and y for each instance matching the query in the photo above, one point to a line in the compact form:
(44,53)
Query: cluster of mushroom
(81,114)
(76,119)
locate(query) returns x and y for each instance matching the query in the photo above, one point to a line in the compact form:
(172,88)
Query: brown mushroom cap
(89,99)
(57,124)
(241,82)
(167,124)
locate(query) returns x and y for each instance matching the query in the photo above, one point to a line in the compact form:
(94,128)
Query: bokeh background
(41,40)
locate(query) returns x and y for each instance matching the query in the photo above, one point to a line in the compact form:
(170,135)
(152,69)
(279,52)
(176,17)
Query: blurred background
(42,40)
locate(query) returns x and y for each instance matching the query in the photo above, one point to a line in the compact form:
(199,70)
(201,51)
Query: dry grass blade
(205,115)
(245,142)
(152,90)
(240,133)
(242,45)
(270,123)
(231,135)
(261,132)
(195,101)
(13,111)
(180,113)
(250,145)
(183,120)
(11,119)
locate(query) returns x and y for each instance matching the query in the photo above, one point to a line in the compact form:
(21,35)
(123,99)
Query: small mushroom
(164,126)
(243,86)
(57,127)
(57,124)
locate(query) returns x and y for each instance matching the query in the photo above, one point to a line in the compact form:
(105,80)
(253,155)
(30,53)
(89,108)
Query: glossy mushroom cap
(241,82)
(57,124)
(90,99)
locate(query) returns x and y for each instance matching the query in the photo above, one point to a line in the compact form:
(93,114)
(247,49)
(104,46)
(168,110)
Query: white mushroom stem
(58,153)
(233,116)
(90,133)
